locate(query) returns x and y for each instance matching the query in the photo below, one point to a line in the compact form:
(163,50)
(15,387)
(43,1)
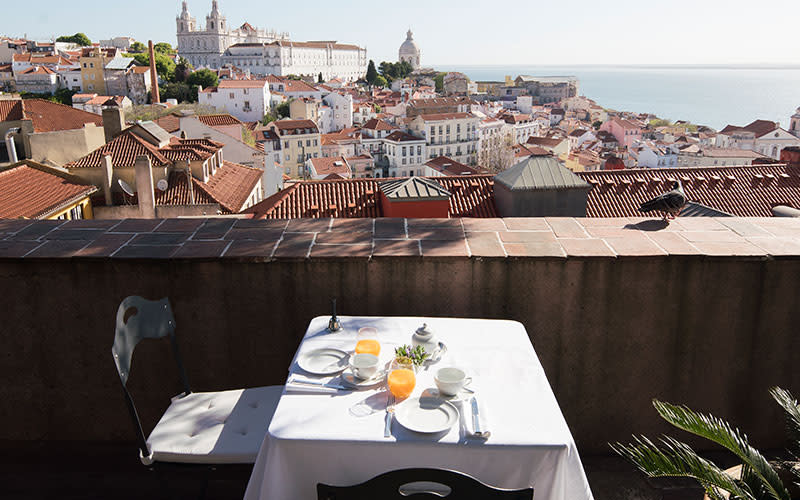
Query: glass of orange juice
(401,382)
(367,341)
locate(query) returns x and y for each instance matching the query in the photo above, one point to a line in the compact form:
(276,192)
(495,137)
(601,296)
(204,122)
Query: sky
(467,32)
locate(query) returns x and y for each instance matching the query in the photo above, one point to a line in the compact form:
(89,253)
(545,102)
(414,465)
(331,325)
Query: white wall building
(405,154)
(653,155)
(454,135)
(247,100)
(341,110)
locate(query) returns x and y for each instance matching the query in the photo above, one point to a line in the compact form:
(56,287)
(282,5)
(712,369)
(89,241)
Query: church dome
(409,47)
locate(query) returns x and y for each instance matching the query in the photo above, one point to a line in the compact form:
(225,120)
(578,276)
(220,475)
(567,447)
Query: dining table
(326,431)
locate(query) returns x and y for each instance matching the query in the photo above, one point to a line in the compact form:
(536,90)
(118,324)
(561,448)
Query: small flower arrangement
(414,355)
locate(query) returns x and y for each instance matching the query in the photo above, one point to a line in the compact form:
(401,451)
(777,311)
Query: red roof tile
(32,191)
(448,166)
(242,84)
(123,150)
(232,184)
(472,196)
(375,124)
(47,116)
(328,165)
(219,120)
(735,190)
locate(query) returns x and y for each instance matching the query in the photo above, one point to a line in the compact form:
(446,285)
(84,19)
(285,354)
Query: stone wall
(703,311)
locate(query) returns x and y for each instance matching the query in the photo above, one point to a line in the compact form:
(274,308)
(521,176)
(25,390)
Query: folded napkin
(466,412)
(294,384)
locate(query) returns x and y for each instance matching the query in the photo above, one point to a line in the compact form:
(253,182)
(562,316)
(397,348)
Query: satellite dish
(125,187)
(162,185)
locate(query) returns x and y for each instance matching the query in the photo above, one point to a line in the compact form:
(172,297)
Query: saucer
(435,393)
(350,379)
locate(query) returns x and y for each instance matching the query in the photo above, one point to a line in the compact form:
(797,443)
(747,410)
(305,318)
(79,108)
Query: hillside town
(238,119)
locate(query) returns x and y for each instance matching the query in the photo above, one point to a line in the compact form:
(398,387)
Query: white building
(654,155)
(454,135)
(794,127)
(264,52)
(409,51)
(247,100)
(204,47)
(341,107)
(405,154)
(762,136)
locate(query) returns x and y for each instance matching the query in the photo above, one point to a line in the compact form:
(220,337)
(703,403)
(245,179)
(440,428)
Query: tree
(282,109)
(183,69)
(204,78)
(137,48)
(759,480)
(248,137)
(319,79)
(180,91)
(439,81)
(372,73)
(165,66)
(597,125)
(163,48)
(78,38)
(380,81)
(269,117)
(293,77)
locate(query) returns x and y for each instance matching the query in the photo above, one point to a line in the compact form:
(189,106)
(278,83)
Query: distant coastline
(705,94)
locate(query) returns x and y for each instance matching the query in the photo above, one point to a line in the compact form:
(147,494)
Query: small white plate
(325,361)
(427,415)
(350,379)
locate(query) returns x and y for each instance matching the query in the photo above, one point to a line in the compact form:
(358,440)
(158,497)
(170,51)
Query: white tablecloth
(330,438)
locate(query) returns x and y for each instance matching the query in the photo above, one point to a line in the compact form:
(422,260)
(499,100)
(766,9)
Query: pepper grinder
(333,324)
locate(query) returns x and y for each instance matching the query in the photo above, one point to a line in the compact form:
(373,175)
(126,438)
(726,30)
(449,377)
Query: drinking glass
(401,382)
(367,341)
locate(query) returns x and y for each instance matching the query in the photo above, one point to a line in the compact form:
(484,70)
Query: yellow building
(300,141)
(93,61)
(37,191)
(304,108)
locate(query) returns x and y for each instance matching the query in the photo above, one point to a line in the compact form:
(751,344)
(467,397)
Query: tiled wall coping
(558,238)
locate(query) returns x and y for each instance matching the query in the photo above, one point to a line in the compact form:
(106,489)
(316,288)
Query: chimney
(144,187)
(108,177)
(113,122)
(10,146)
(156,96)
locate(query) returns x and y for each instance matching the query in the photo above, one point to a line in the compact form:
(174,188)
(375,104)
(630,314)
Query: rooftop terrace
(702,311)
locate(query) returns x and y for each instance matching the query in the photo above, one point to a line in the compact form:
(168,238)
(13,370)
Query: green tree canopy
(183,69)
(163,48)
(204,78)
(392,71)
(319,79)
(380,81)
(181,91)
(165,66)
(282,109)
(372,73)
(137,48)
(293,77)
(439,80)
(79,38)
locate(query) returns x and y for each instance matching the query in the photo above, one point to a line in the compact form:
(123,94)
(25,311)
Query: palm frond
(720,432)
(792,411)
(677,459)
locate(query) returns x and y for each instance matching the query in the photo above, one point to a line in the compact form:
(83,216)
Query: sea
(714,96)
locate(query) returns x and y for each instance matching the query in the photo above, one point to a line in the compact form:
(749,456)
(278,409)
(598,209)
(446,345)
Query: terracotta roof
(376,124)
(171,123)
(38,70)
(177,192)
(140,69)
(47,116)
(448,166)
(544,141)
(761,127)
(746,191)
(400,136)
(295,125)
(32,190)
(440,101)
(317,45)
(242,84)
(219,120)
(446,116)
(328,165)
(472,196)
(123,150)
(297,86)
(232,184)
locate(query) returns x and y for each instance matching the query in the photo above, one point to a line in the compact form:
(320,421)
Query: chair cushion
(214,427)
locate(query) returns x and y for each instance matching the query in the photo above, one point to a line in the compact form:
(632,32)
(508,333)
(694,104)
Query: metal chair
(199,432)
(421,484)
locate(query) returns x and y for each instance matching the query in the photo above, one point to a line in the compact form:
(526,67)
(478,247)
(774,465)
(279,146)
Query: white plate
(326,361)
(426,414)
(350,379)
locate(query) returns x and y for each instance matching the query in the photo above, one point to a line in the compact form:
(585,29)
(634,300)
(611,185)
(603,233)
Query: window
(287,157)
(308,143)
(404,161)
(286,145)
(419,150)
(315,142)
(404,152)
(230,95)
(299,144)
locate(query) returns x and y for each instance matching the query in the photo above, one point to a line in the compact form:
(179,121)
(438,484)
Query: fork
(387,430)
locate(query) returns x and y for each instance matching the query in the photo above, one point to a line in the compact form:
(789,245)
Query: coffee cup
(364,365)
(450,381)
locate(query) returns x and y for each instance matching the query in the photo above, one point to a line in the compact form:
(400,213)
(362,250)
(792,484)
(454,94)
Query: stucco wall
(66,145)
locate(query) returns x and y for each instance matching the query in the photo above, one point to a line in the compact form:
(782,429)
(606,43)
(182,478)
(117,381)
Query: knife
(319,384)
(476,421)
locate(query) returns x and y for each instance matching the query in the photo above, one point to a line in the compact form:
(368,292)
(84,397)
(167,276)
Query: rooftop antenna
(126,188)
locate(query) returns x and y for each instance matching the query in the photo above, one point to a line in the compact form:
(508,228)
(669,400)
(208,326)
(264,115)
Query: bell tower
(794,126)
(186,23)
(215,22)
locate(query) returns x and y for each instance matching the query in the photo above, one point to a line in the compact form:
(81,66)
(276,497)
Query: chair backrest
(139,319)
(422,484)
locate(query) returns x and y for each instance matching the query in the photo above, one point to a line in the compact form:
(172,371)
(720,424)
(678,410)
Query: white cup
(450,381)
(364,365)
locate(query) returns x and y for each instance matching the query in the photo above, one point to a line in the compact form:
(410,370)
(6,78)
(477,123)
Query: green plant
(78,38)
(204,78)
(759,479)
(417,355)
(372,73)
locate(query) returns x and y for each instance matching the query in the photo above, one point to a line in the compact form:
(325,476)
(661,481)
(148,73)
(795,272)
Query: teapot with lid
(425,337)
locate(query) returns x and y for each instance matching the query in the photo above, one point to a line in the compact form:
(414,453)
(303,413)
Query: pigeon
(670,203)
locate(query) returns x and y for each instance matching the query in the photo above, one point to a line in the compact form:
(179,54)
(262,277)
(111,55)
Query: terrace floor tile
(252,248)
(179,226)
(519,236)
(526,224)
(61,249)
(485,244)
(15,249)
(435,233)
(146,252)
(160,238)
(294,245)
(136,225)
(308,225)
(396,248)
(566,227)
(264,234)
(349,251)
(483,224)
(105,245)
(534,249)
(444,248)
(201,249)
(583,247)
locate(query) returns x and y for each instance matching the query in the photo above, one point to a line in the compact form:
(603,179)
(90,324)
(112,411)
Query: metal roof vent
(785,176)
(657,179)
(610,182)
(769,176)
(640,180)
(730,177)
(686,178)
(758,176)
(700,178)
(716,178)
(626,181)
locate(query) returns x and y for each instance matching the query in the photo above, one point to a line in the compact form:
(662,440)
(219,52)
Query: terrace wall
(703,312)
